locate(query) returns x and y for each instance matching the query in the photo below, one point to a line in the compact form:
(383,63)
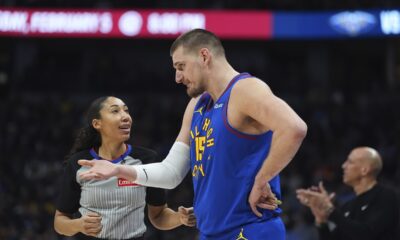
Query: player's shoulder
(192,104)
(250,88)
(248,83)
(146,155)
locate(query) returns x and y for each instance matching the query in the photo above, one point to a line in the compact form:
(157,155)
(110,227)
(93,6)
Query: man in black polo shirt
(372,215)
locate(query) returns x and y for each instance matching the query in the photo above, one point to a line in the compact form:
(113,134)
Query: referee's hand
(187,216)
(91,224)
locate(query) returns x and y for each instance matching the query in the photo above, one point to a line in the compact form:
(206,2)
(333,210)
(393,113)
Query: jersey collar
(117,160)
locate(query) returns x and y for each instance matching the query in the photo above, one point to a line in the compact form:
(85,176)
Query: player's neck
(220,78)
(111,150)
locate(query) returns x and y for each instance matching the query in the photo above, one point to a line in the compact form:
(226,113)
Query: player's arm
(272,113)
(166,174)
(165,218)
(173,169)
(258,103)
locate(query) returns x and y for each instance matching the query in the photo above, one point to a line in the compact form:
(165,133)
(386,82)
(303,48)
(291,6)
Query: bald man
(372,215)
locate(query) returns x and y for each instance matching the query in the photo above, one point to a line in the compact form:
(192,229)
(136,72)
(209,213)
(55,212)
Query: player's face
(188,71)
(353,168)
(115,123)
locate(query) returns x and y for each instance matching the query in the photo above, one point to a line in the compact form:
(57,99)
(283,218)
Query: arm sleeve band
(168,173)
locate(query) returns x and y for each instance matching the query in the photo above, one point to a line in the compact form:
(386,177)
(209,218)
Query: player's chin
(193,93)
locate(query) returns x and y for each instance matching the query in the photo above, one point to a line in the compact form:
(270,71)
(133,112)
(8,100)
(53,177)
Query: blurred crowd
(340,89)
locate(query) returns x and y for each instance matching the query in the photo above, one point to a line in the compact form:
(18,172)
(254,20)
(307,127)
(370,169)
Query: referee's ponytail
(88,137)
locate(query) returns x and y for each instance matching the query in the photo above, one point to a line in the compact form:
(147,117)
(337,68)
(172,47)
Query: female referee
(113,208)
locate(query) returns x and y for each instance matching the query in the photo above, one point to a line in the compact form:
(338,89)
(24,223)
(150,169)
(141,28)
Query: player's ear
(205,55)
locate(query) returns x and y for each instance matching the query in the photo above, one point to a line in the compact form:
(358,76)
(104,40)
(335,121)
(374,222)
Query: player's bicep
(265,108)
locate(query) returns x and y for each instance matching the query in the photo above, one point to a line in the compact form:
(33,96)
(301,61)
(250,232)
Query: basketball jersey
(224,163)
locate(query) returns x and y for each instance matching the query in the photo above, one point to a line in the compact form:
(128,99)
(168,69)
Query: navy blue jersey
(224,163)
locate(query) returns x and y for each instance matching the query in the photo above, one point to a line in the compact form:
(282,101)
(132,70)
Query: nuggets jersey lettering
(224,163)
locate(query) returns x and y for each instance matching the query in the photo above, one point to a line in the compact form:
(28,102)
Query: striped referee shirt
(119,202)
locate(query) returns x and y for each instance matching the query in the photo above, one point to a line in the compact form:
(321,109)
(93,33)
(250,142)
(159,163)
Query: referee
(113,208)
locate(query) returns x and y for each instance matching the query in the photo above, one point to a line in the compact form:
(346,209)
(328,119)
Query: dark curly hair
(89,137)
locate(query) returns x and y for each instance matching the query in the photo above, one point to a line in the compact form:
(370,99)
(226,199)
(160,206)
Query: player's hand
(98,169)
(187,216)
(90,224)
(261,196)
